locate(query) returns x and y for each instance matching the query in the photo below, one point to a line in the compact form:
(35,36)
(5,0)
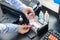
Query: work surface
(53,24)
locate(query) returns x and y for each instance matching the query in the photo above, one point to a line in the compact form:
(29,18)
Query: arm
(4,28)
(16,3)
(20,6)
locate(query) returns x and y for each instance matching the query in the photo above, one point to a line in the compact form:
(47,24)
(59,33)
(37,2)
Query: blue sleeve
(16,3)
(7,27)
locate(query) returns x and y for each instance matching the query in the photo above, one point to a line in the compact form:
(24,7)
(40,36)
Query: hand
(23,29)
(28,10)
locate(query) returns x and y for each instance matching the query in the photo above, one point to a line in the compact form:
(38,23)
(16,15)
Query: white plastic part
(41,17)
(20,19)
(46,16)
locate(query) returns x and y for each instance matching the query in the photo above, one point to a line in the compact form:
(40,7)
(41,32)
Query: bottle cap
(46,13)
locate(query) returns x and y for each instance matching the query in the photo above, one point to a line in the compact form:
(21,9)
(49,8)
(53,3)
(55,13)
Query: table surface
(53,24)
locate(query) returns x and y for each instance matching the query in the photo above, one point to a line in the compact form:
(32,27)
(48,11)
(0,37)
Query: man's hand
(28,10)
(23,29)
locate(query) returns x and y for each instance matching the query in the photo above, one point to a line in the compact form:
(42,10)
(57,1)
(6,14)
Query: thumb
(29,16)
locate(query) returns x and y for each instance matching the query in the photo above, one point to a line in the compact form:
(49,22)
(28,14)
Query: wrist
(23,8)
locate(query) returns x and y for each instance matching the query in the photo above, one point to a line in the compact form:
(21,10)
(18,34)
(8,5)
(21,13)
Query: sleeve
(16,3)
(4,28)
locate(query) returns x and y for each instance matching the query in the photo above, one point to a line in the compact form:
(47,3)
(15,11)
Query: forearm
(4,28)
(16,3)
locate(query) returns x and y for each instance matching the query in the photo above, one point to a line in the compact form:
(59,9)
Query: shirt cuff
(8,27)
(12,27)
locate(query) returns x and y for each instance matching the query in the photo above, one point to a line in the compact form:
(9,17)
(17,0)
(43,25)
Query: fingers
(26,28)
(31,11)
(23,29)
(28,11)
(30,16)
